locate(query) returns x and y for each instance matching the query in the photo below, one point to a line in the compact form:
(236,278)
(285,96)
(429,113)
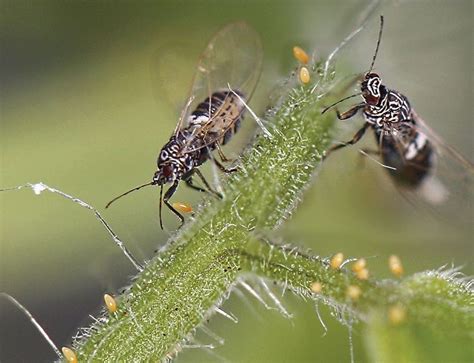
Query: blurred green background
(90,91)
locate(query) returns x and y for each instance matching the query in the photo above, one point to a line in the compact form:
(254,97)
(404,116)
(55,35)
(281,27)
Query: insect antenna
(34,322)
(161,206)
(378,44)
(336,103)
(128,192)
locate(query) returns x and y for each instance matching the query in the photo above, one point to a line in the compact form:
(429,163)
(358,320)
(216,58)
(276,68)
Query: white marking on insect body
(199,120)
(415,146)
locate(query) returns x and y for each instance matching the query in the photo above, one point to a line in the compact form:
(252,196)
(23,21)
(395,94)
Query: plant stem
(185,283)
(181,285)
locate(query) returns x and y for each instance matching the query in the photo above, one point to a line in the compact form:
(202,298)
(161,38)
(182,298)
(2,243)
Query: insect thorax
(173,162)
(391,110)
(403,147)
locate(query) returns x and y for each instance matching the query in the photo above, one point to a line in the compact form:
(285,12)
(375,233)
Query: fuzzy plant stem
(180,286)
(192,275)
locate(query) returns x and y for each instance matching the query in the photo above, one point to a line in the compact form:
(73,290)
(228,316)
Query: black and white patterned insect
(407,146)
(226,76)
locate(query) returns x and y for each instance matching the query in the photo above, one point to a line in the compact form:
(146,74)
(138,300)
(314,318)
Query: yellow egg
(353,292)
(362,274)
(110,303)
(304,75)
(300,55)
(316,287)
(395,265)
(183,207)
(397,314)
(337,260)
(360,264)
(69,354)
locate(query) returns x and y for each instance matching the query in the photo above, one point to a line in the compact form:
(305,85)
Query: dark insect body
(192,146)
(226,76)
(407,152)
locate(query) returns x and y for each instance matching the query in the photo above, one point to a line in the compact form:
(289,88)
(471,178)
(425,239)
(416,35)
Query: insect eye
(167,171)
(371,99)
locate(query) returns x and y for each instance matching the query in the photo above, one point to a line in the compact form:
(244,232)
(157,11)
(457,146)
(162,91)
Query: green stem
(184,283)
(181,285)
(434,299)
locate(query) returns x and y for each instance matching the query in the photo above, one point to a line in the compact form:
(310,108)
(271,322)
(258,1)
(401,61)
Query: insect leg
(224,159)
(354,140)
(169,193)
(199,174)
(189,183)
(367,151)
(223,168)
(350,112)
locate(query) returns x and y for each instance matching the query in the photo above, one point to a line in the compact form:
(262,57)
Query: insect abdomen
(229,133)
(221,115)
(412,164)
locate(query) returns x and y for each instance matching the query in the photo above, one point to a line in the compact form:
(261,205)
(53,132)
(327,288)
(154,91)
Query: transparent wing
(233,58)
(169,71)
(443,149)
(452,176)
(222,120)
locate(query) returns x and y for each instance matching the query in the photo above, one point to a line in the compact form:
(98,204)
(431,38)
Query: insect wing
(442,147)
(453,174)
(233,58)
